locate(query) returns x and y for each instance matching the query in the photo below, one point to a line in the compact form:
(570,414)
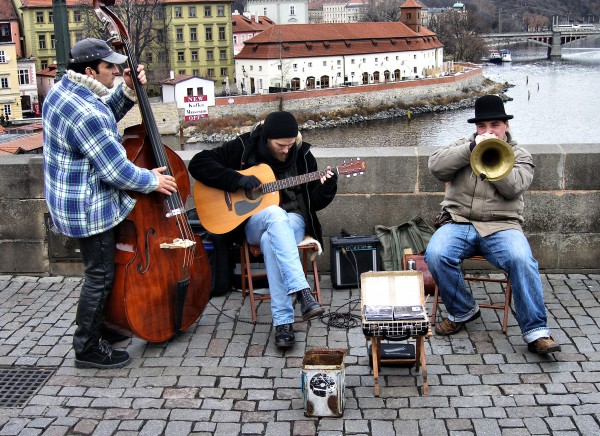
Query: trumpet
(492,159)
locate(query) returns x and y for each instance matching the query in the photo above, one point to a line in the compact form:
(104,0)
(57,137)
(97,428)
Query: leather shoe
(284,335)
(102,356)
(447,327)
(309,307)
(543,346)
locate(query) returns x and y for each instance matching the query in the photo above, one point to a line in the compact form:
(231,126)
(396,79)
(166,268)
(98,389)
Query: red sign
(195,117)
(194,98)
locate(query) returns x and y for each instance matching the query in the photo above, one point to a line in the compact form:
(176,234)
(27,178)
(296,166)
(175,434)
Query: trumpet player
(482,213)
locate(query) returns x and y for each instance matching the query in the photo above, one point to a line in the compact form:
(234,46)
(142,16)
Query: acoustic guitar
(220,211)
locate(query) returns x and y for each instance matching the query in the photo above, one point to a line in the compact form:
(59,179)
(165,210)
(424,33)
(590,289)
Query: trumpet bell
(492,159)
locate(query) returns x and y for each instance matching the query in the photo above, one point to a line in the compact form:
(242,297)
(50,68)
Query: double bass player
(86,173)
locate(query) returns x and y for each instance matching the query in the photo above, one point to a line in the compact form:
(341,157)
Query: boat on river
(499,56)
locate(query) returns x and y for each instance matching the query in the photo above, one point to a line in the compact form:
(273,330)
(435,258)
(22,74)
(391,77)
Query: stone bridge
(557,37)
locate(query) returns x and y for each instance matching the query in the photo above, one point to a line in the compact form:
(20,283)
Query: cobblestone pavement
(226,377)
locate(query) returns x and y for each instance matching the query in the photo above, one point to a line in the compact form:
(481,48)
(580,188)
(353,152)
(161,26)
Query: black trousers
(98,254)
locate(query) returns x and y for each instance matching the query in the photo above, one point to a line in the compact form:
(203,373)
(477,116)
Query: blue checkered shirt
(86,169)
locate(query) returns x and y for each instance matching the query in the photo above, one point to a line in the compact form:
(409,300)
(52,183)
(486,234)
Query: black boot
(309,307)
(284,335)
(112,336)
(102,356)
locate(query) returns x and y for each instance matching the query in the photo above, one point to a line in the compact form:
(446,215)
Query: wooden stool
(247,250)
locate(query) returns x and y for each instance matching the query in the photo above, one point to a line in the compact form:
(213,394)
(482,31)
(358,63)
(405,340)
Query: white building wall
(339,70)
(280,11)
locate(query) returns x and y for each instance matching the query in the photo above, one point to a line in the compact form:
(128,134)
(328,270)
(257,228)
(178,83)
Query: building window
(52,41)
(39,17)
(310,65)
(279,67)
(223,72)
(259,68)
(243,38)
(162,57)
(181,72)
(295,66)
(352,61)
(193,34)
(177,11)
(292,10)
(179,34)
(195,72)
(220,11)
(44,64)
(4,82)
(192,11)
(23,77)
(42,42)
(210,72)
(190,91)
(408,16)
(194,55)
(149,57)
(207,12)
(210,56)
(235,39)
(50,17)
(200,90)
(223,55)
(160,35)
(208,33)
(324,63)
(77,16)
(339,62)
(221,33)
(265,12)
(181,56)
(7,109)
(158,13)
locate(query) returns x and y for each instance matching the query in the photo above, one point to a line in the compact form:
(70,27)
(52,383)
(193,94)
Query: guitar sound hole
(252,195)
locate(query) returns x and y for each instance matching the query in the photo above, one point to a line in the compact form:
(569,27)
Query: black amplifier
(350,257)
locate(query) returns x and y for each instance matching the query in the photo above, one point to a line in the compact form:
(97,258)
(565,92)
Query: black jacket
(218,168)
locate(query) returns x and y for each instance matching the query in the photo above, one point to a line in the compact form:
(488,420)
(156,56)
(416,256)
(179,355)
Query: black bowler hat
(488,108)
(280,125)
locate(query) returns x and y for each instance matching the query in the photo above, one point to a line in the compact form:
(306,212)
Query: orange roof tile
(308,40)
(22,144)
(245,24)
(412,4)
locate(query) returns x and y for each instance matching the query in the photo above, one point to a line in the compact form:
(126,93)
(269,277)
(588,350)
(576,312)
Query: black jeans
(98,254)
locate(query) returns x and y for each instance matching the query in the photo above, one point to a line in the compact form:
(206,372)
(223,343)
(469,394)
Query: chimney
(171,75)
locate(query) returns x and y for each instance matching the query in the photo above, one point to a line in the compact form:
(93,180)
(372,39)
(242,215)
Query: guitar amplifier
(350,257)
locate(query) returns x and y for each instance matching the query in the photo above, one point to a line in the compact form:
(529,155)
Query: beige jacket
(489,206)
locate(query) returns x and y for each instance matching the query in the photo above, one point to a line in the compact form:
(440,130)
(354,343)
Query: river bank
(219,129)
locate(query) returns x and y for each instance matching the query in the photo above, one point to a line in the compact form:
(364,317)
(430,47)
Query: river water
(553,101)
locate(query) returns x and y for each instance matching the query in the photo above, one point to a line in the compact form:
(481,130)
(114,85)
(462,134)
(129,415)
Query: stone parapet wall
(561,207)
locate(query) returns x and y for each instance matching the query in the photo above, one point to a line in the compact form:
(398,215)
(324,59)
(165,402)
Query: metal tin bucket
(323,382)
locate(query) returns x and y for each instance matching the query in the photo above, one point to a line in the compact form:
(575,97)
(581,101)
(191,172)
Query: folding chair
(247,251)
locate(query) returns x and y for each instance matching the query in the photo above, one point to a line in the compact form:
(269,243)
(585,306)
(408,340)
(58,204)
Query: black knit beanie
(280,125)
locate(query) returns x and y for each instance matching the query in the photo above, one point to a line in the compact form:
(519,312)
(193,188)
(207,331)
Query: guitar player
(276,229)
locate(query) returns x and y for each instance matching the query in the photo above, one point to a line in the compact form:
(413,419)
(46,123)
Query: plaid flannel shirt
(86,169)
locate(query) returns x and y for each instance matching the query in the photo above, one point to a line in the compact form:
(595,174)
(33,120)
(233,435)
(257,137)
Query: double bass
(162,273)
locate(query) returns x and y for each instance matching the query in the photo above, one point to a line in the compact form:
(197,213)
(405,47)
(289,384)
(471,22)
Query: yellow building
(10,97)
(191,37)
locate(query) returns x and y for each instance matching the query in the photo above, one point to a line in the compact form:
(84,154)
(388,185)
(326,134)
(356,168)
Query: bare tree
(146,23)
(387,10)
(459,32)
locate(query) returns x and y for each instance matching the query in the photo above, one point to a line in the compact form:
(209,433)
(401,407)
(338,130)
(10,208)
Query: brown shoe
(543,346)
(447,327)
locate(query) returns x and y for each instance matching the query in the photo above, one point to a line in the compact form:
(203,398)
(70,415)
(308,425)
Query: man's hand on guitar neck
(330,178)
(249,183)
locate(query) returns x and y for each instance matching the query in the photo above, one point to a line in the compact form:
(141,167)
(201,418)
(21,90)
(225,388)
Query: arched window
(397,75)
(376,77)
(365,78)
(295,84)
(310,82)
(324,81)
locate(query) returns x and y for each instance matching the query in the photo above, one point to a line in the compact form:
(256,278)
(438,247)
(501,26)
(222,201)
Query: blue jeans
(507,250)
(278,234)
